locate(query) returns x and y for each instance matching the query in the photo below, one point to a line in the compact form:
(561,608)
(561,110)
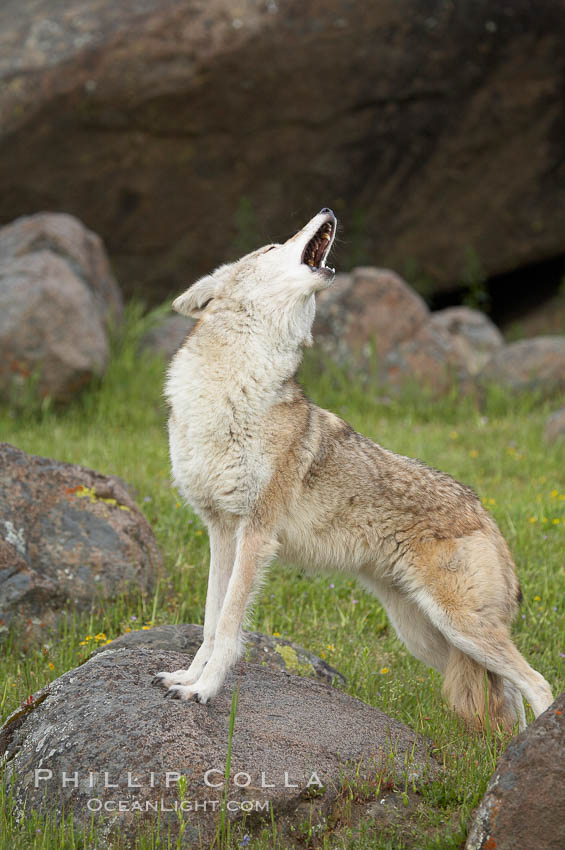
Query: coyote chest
(218,460)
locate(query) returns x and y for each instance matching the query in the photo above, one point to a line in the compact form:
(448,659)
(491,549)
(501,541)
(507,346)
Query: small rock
(473,334)
(167,336)
(530,364)
(68,536)
(555,426)
(370,309)
(524,804)
(430,358)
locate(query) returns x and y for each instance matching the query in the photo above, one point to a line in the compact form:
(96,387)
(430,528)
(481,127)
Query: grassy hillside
(497,446)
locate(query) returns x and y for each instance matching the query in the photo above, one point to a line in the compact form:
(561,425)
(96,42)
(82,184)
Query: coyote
(272,475)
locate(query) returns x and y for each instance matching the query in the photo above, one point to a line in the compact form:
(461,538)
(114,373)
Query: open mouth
(318,248)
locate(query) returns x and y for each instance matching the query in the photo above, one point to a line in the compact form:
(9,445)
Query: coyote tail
(478,695)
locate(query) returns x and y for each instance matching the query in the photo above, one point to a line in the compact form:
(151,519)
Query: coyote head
(274,285)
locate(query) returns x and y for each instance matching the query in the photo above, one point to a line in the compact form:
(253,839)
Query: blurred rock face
(58,300)
(185,133)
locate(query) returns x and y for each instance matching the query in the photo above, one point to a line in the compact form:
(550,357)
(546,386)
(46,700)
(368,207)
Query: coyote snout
(272,475)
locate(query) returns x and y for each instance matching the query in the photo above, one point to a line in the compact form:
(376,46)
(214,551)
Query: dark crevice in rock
(511,295)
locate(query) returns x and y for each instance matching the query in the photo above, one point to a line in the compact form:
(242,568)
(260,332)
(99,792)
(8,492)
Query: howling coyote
(272,475)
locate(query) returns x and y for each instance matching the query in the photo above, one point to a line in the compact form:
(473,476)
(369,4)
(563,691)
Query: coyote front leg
(254,550)
(222,555)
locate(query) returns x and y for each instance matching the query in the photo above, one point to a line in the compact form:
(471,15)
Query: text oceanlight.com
(95,804)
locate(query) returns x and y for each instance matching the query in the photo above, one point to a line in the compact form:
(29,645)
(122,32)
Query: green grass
(497,446)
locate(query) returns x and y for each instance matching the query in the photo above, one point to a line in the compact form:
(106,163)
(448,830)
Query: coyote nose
(327,210)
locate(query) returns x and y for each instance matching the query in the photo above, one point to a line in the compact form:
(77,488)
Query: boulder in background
(58,300)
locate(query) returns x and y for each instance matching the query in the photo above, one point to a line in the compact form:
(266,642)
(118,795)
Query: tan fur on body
(272,474)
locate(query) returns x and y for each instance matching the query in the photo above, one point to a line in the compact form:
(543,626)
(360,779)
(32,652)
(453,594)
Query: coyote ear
(194,301)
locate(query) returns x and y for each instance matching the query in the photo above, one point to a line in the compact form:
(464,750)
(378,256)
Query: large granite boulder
(116,738)
(187,133)
(58,300)
(276,653)
(69,536)
(524,804)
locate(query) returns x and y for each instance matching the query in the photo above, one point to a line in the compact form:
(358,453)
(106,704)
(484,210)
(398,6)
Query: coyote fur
(272,475)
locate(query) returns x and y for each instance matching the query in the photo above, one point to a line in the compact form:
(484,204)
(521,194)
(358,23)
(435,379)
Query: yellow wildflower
(384,670)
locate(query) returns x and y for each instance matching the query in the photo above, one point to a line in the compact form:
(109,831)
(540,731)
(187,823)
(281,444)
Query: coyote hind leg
(492,649)
(412,626)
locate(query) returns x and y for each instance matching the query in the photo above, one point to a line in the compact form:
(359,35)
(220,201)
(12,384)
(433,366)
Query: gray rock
(274,653)
(430,358)
(167,336)
(371,310)
(50,328)
(65,236)
(374,313)
(58,300)
(68,536)
(555,426)
(473,334)
(291,733)
(524,804)
(530,364)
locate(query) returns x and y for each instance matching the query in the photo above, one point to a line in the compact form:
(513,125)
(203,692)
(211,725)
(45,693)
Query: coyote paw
(186,692)
(178,677)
